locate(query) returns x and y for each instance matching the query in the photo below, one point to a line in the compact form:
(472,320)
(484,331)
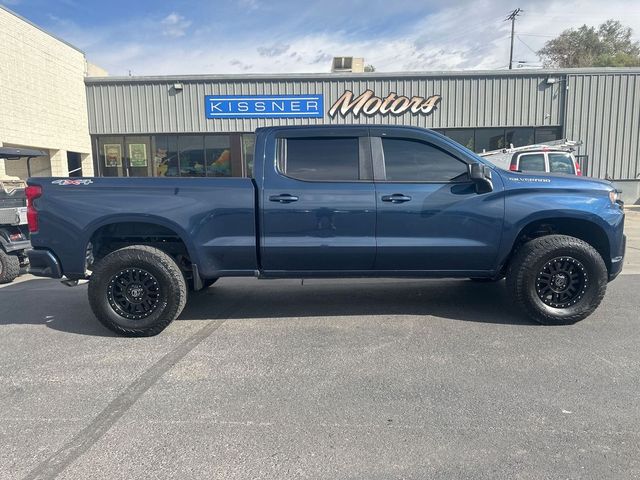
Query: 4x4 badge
(69,181)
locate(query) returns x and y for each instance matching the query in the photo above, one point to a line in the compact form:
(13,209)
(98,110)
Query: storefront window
(165,156)
(191,155)
(232,155)
(519,137)
(489,139)
(548,134)
(464,136)
(218,155)
(248,147)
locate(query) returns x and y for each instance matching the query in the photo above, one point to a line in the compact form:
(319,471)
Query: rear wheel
(9,267)
(557,279)
(137,291)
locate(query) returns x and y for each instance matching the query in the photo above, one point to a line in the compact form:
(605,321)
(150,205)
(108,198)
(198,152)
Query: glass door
(137,152)
(120,156)
(111,156)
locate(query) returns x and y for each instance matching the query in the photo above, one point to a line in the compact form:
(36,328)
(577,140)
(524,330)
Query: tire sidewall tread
(529,259)
(171,281)
(9,267)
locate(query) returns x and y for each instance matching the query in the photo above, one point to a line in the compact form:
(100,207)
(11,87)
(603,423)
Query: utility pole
(512,16)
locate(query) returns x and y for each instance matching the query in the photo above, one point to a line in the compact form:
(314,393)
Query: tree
(609,45)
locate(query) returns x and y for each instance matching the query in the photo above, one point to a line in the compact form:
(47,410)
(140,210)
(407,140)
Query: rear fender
(132,218)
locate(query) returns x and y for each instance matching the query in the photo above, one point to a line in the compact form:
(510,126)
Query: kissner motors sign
(369,104)
(264,106)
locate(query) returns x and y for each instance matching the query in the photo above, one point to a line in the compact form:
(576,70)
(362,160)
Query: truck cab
(552,157)
(545,160)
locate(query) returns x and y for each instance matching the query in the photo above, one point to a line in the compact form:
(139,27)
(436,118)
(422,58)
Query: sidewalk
(632,231)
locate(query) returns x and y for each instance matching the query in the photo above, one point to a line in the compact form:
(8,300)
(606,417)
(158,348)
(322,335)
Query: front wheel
(137,291)
(557,279)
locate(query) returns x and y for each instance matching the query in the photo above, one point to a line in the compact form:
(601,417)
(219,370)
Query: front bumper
(43,263)
(616,262)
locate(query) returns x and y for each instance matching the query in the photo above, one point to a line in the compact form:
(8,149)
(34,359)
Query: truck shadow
(452,299)
(48,303)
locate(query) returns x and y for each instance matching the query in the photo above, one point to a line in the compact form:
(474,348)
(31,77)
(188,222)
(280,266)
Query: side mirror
(481,175)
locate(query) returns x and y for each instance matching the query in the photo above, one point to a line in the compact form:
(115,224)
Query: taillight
(32,192)
(513,167)
(578,171)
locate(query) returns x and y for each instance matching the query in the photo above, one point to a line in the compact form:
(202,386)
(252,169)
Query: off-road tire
(171,290)
(529,261)
(9,267)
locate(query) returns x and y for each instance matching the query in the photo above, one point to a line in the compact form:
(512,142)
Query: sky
(147,37)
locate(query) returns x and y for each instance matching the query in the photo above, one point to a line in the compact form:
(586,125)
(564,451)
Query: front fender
(597,211)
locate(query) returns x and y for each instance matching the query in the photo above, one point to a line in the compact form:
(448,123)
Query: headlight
(614,196)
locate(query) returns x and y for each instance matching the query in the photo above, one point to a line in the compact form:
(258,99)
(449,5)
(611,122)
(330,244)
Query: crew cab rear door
(429,215)
(318,205)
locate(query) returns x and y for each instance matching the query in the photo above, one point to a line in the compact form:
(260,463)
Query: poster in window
(138,154)
(112,155)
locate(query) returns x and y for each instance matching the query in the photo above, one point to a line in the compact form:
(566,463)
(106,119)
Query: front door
(430,217)
(318,204)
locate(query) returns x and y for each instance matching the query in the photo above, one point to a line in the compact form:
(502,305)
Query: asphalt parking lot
(357,379)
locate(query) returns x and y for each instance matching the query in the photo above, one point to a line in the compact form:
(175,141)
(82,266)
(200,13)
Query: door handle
(396,198)
(283,198)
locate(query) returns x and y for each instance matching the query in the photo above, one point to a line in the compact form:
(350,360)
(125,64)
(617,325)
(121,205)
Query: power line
(522,41)
(512,16)
(536,35)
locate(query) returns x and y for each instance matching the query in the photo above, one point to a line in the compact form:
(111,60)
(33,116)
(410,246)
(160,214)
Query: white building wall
(42,94)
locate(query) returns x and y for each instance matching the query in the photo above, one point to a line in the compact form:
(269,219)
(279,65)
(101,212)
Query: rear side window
(533,162)
(561,163)
(408,160)
(320,159)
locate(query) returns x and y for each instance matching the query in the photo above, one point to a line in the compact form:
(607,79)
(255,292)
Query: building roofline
(26,20)
(352,76)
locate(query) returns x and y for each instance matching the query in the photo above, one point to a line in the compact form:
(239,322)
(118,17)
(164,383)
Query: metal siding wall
(139,106)
(603,110)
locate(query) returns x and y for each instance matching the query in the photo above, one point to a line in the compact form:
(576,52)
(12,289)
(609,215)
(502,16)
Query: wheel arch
(135,227)
(586,229)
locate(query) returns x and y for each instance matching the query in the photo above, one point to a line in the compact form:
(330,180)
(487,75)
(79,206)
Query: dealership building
(202,125)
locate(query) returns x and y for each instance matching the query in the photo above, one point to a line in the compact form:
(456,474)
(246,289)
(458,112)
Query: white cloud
(460,35)
(175,25)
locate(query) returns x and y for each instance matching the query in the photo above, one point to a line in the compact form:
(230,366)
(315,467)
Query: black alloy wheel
(562,282)
(134,293)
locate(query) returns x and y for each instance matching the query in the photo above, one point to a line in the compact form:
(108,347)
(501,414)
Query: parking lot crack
(56,463)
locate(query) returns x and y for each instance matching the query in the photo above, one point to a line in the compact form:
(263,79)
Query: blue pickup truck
(330,201)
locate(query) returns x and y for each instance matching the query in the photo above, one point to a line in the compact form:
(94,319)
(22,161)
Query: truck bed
(214,217)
